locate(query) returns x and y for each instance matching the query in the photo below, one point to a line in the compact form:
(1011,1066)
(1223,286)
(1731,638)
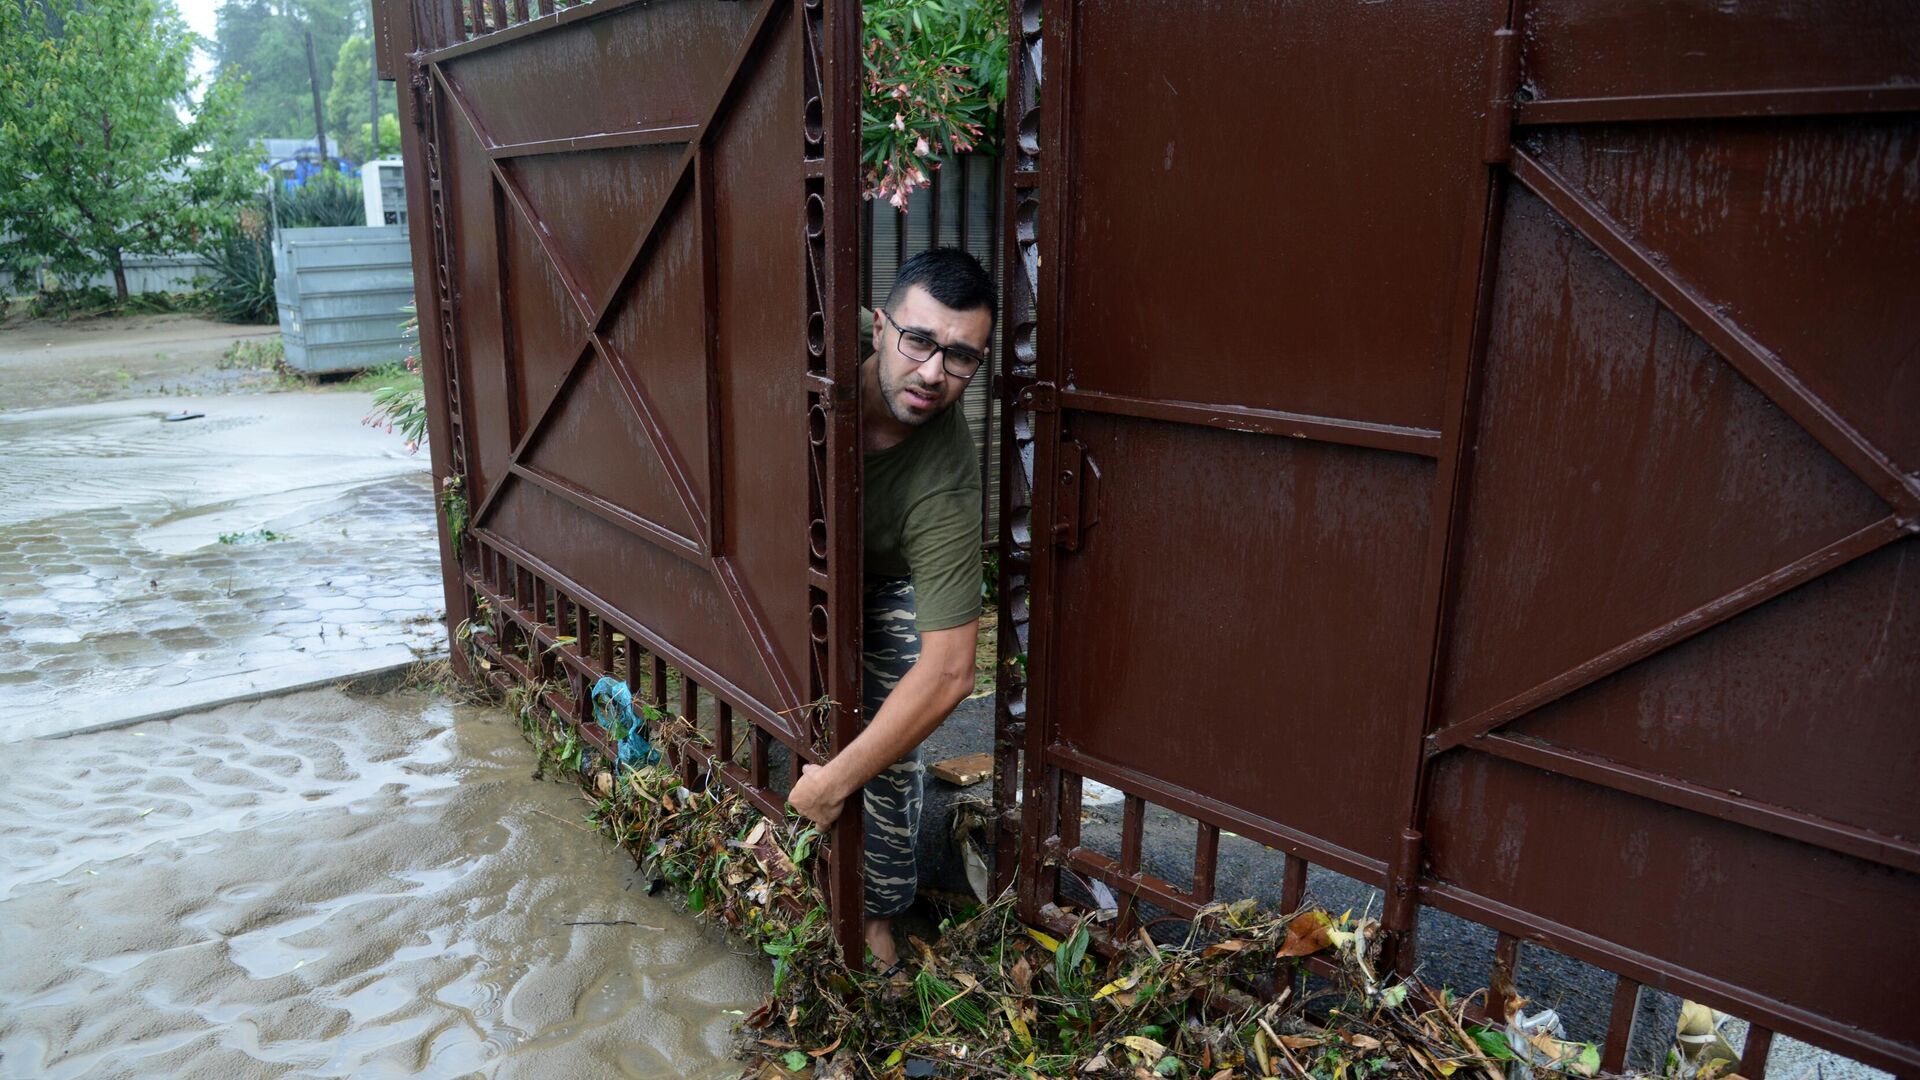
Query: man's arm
(927,693)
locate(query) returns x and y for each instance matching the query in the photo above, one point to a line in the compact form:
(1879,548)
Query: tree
(350,104)
(96,161)
(266,42)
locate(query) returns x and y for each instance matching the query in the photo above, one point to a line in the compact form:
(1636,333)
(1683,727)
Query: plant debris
(993,997)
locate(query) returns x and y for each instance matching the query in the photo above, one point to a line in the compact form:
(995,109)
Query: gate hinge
(420,84)
(1504,87)
(1076,508)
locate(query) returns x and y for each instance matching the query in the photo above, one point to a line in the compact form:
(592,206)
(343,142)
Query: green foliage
(95,160)
(263,43)
(326,199)
(401,404)
(252,536)
(62,304)
(254,354)
(936,74)
(242,258)
(389,137)
(453,503)
(349,104)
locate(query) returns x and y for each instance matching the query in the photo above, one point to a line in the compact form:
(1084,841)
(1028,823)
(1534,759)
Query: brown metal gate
(634,237)
(1474,449)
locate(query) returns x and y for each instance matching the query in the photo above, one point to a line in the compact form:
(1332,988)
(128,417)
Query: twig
(564,821)
(610,922)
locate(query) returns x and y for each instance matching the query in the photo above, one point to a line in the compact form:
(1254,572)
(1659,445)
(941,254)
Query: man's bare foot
(880,940)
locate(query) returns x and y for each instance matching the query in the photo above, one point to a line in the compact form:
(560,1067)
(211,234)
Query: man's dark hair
(950,276)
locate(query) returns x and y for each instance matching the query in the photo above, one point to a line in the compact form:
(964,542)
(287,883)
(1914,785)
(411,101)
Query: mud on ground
(329,885)
(45,363)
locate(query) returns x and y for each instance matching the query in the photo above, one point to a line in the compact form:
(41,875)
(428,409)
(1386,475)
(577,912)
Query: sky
(201,16)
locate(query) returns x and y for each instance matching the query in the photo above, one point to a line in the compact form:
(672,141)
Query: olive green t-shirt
(923,516)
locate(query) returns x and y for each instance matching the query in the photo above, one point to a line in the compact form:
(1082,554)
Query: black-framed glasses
(961,363)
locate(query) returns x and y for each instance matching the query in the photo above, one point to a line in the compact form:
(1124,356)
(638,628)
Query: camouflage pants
(891,801)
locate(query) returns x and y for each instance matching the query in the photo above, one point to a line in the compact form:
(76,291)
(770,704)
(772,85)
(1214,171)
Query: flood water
(328,885)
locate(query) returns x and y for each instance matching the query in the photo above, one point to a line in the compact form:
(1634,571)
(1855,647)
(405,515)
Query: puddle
(329,886)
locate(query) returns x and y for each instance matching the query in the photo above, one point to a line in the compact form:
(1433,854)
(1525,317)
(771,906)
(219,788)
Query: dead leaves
(1308,933)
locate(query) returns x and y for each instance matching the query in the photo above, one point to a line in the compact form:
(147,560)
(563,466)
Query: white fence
(145,274)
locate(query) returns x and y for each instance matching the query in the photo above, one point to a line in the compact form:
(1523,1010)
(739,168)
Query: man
(922,506)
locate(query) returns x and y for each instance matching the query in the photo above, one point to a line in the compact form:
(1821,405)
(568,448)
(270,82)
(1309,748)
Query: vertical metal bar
(1626,1000)
(1040,883)
(933,206)
(899,240)
(520,11)
(1015,770)
(842,68)
(418,130)
(1070,806)
(511,361)
(723,731)
(657,687)
(705,212)
(632,653)
(1500,981)
(1127,915)
(542,660)
(689,711)
(1753,1056)
(1467,345)
(761,744)
(1133,822)
(1206,860)
(866,253)
(965,242)
(1293,884)
(605,638)
(545,7)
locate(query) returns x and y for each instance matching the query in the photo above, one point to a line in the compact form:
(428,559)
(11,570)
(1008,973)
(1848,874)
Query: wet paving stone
(76,631)
(115,581)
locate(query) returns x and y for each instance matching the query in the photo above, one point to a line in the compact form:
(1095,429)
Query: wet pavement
(45,363)
(149,567)
(324,885)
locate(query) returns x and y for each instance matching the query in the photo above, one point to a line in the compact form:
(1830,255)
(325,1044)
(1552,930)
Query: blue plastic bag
(613,710)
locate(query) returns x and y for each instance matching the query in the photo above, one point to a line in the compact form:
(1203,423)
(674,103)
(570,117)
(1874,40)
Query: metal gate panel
(638,329)
(1598,59)
(1624,477)
(1242,587)
(1585,537)
(1291,260)
(1824,205)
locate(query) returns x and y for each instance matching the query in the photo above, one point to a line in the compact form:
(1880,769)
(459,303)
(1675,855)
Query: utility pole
(319,113)
(373,95)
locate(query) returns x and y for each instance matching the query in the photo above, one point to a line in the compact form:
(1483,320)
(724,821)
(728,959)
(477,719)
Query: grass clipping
(996,998)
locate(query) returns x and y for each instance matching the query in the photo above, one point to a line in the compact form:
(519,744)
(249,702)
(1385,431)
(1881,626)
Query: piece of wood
(964,771)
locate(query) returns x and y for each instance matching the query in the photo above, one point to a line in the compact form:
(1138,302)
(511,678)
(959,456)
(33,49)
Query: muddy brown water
(329,885)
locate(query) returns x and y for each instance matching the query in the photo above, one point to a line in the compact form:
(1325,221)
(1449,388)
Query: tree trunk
(319,113)
(119,274)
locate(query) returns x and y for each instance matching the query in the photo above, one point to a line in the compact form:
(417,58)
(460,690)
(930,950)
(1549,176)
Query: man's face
(917,391)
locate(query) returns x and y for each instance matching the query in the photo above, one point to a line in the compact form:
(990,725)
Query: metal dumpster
(342,294)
